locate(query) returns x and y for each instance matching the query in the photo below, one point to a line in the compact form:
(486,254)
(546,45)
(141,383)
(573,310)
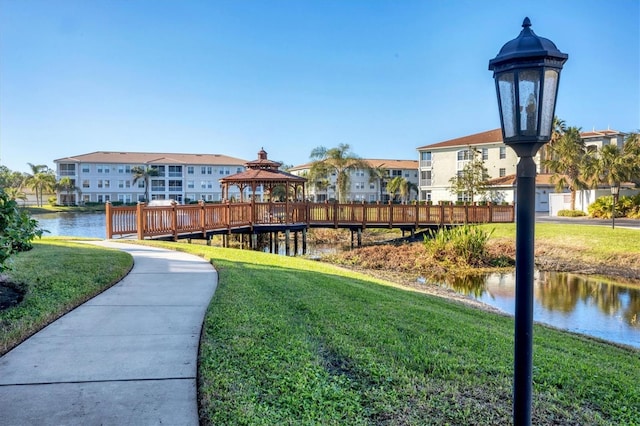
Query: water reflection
(578,303)
(91,225)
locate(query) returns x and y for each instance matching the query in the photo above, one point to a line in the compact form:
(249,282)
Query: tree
(145,174)
(403,186)
(378,175)
(569,161)
(67,185)
(339,161)
(473,177)
(613,165)
(40,180)
(17,229)
(11,179)
(559,127)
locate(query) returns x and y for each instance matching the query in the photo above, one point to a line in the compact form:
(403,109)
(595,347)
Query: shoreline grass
(288,340)
(56,276)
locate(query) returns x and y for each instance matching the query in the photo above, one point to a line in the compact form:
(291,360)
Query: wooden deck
(203,220)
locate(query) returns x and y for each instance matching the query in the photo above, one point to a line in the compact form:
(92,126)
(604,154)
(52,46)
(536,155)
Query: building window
(426,195)
(160,170)
(485,154)
(157,185)
(175,171)
(124,168)
(359,173)
(425,178)
(396,173)
(503,152)
(359,185)
(503,172)
(86,183)
(120,184)
(67,169)
(372,186)
(191,184)
(86,168)
(372,198)
(86,198)
(203,184)
(239,170)
(464,196)
(124,198)
(190,170)
(464,155)
(175,186)
(141,183)
(425,159)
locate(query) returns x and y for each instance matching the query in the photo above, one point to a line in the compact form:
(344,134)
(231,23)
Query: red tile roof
(490,136)
(510,180)
(152,158)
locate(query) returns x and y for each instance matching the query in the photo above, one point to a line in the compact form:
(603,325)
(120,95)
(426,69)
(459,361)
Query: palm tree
(339,161)
(145,174)
(40,180)
(67,185)
(559,127)
(403,186)
(569,160)
(613,164)
(378,175)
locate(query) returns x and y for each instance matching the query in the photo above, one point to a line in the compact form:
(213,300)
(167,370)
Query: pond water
(571,302)
(91,225)
(581,304)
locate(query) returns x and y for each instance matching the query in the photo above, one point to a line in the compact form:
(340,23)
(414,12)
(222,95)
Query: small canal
(595,307)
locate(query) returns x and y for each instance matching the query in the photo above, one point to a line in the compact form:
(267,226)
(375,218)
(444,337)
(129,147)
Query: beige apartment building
(440,161)
(106,176)
(364,188)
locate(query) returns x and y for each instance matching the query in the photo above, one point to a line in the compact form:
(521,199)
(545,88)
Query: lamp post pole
(526,72)
(615,190)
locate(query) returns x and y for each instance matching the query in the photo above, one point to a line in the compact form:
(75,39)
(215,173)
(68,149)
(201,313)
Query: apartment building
(106,176)
(439,162)
(362,186)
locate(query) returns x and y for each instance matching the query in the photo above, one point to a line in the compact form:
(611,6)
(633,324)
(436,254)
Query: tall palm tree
(40,180)
(402,186)
(631,150)
(569,159)
(378,175)
(145,174)
(67,185)
(558,128)
(339,161)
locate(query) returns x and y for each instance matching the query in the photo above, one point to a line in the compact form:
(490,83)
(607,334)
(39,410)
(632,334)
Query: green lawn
(292,341)
(56,276)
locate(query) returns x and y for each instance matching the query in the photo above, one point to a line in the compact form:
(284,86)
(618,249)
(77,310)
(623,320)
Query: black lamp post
(526,72)
(615,190)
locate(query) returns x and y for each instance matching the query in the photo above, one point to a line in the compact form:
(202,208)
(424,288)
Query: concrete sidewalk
(126,357)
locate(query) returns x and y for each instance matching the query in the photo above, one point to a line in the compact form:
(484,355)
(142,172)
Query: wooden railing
(176,220)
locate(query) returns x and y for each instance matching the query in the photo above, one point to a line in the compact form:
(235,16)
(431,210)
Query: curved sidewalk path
(126,357)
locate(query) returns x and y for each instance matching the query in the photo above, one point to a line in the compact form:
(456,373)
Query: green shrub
(17,229)
(626,206)
(460,244)
(571,213)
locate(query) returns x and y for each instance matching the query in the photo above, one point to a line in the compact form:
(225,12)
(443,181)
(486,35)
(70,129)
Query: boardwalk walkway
(126,357)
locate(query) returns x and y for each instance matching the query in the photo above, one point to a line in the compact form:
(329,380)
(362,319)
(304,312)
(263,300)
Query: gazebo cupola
(266,173)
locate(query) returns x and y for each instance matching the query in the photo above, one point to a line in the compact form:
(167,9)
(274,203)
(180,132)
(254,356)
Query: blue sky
(231,77)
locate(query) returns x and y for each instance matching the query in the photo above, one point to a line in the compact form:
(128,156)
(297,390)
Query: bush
(571,213)
(17,229)
(626,206)
(461,244)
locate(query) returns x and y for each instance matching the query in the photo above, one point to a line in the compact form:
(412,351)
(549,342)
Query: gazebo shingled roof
(262,172)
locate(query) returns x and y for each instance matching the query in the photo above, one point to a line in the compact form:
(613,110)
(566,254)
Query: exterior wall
(101,182)
(435,173)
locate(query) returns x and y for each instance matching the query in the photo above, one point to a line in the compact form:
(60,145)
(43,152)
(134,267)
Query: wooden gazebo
(265,173)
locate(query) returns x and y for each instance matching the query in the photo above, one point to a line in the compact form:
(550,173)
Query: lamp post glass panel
(527,73)
(615,190)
